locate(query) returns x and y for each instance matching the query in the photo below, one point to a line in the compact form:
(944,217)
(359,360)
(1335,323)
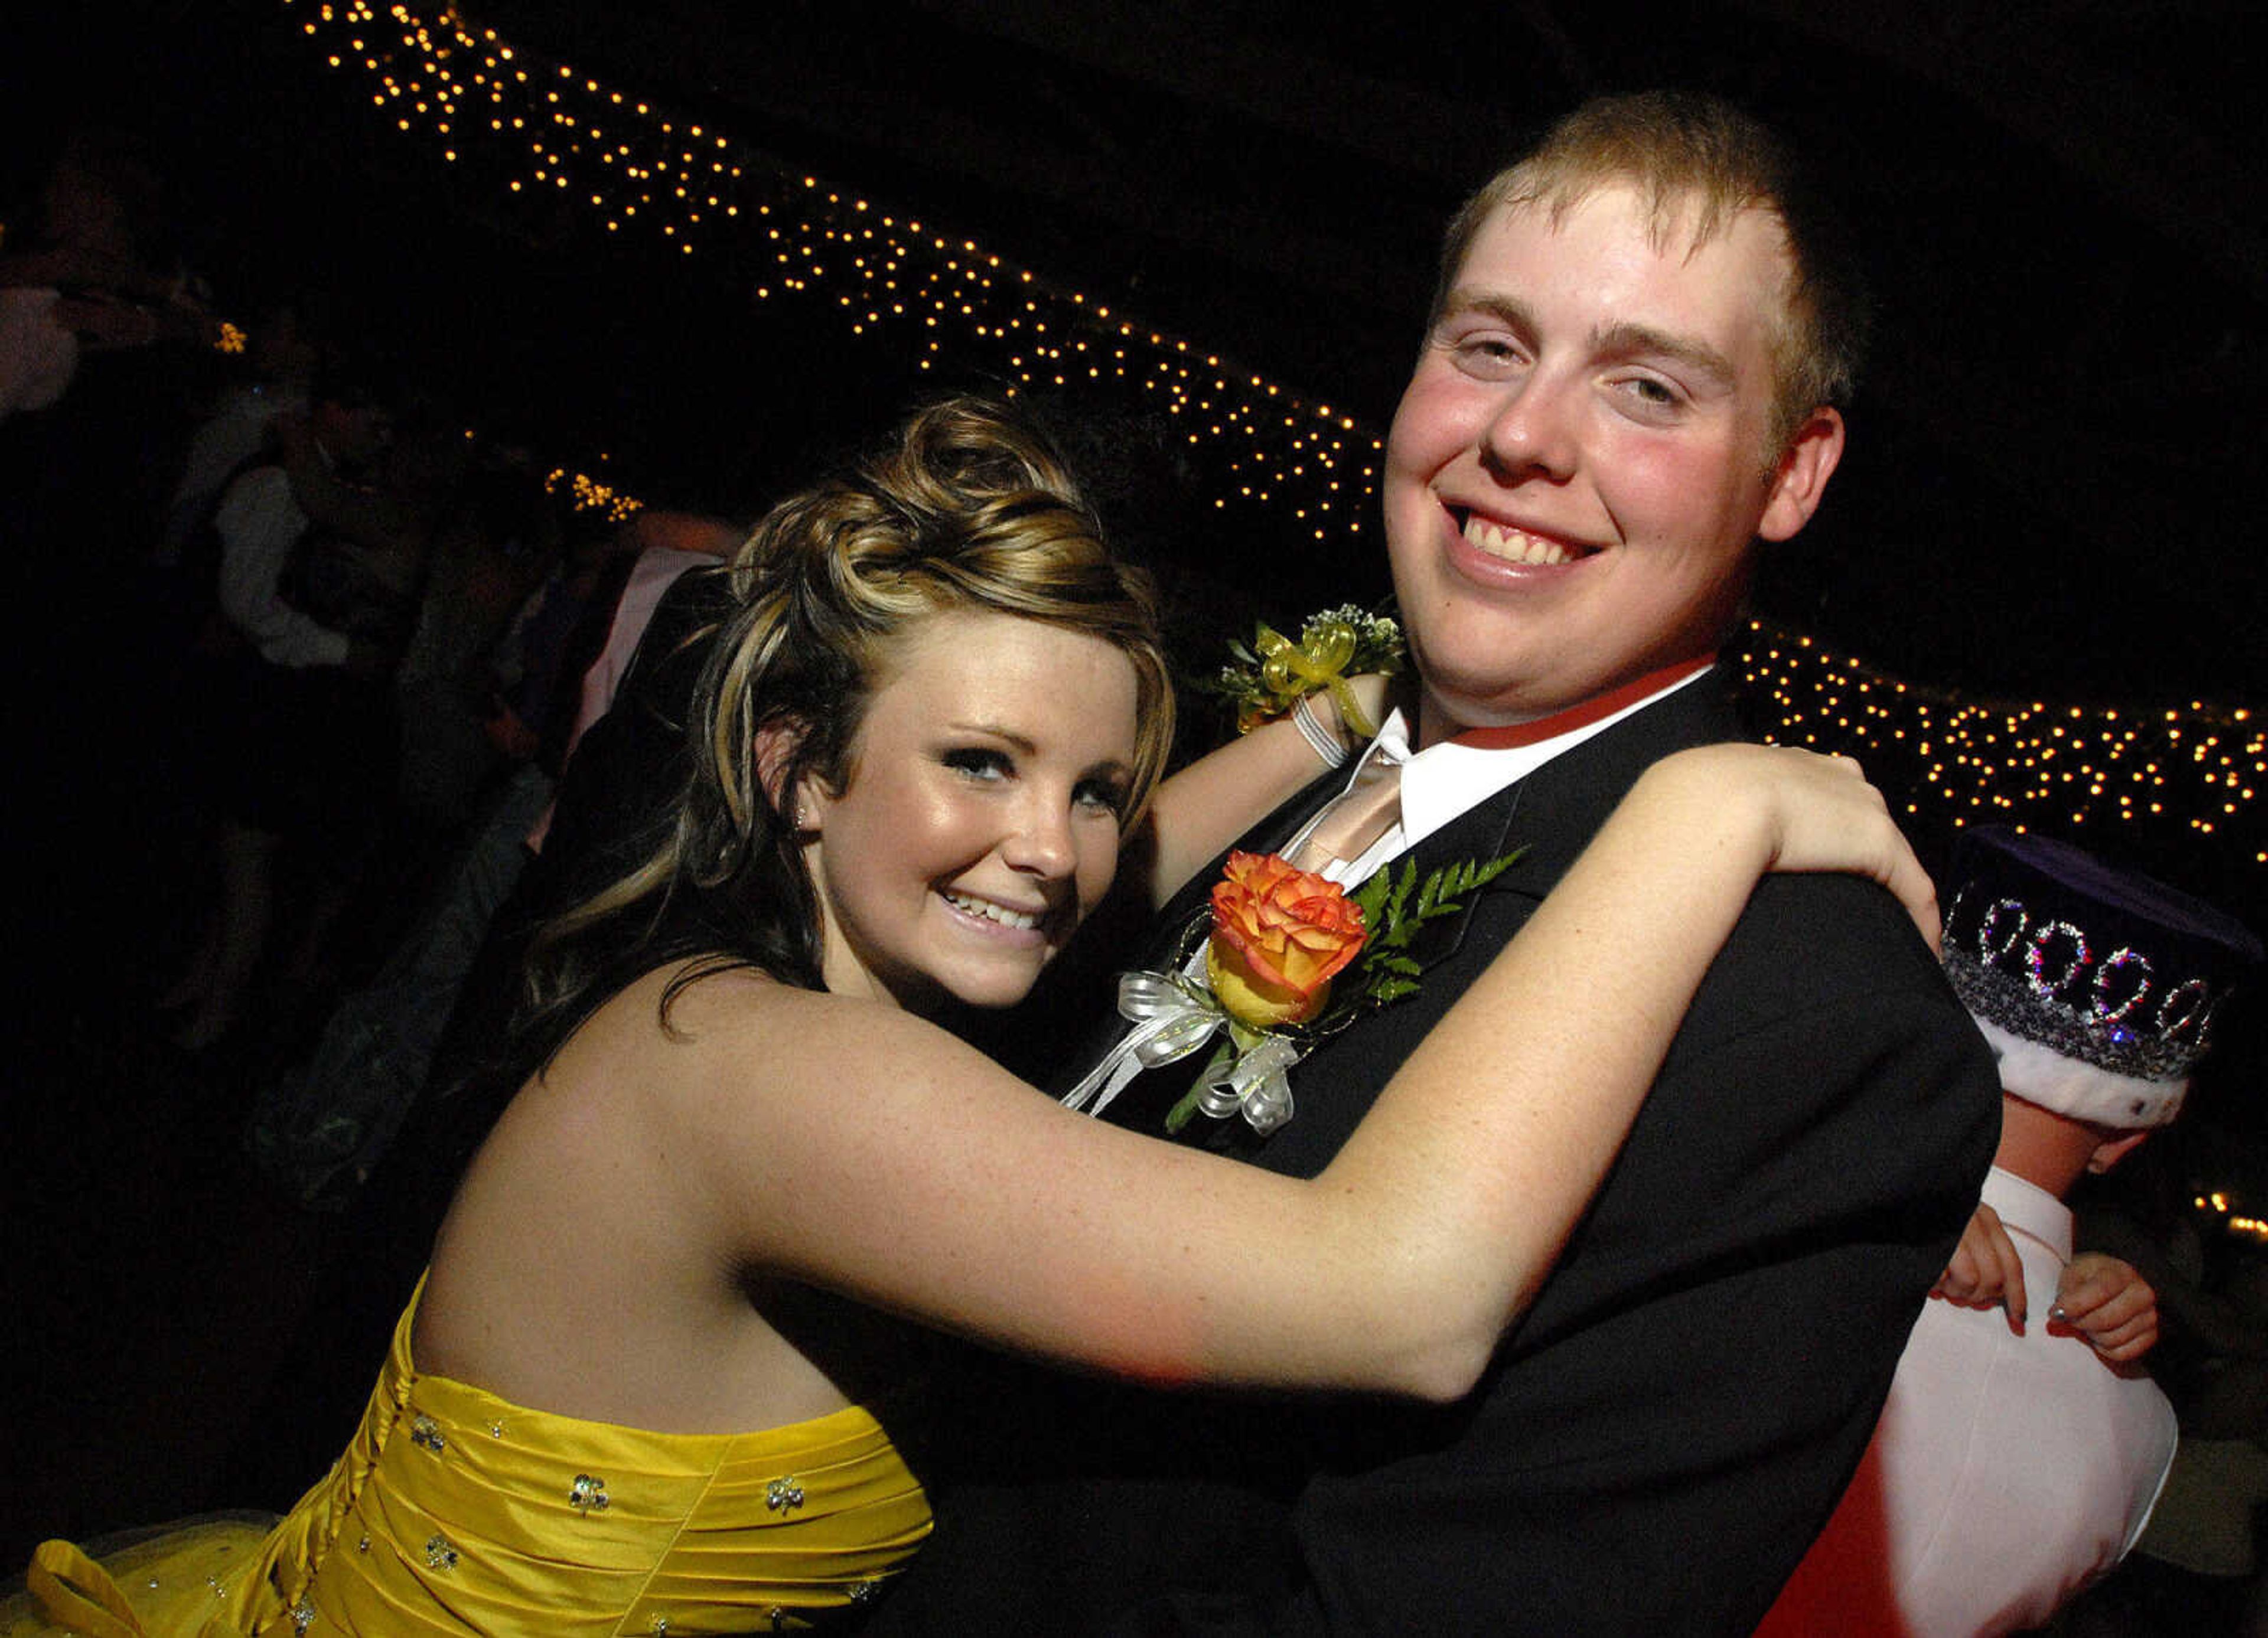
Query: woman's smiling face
(980,822)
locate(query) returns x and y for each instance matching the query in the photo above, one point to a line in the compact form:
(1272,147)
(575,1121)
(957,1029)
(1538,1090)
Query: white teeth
(1513,546)
(1001,913)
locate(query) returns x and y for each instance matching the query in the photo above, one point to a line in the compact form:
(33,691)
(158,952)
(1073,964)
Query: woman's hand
(1372,692)
(1986,1268)
(2100,1298)
(1206,806)
(1803,812)
(2109,1304)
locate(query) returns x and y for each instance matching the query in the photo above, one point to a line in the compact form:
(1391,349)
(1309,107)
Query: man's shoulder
(1828,947)
(1818,939)
(1578,787)
(1839,923)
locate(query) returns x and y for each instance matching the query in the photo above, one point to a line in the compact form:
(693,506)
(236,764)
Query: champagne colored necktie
(1365,811)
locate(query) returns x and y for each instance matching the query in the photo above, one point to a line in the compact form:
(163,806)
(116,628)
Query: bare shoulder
(689,1023)
(591,1262)
(622,1130)
(732,1079)
(738,1032)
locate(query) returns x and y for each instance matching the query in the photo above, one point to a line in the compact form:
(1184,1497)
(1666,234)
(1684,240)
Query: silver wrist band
(1332,747)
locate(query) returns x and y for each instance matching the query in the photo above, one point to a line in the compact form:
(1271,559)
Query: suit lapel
(1566,801)
(1156,949)
(1550,816)
(1477,835)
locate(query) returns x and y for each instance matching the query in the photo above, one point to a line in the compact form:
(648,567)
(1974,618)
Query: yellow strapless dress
(454,1511)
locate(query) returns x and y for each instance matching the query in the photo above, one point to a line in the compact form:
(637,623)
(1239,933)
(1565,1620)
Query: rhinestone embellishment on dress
(438,1554)
(782,1494)
(588,1493)
(303,1617)
(424,1430)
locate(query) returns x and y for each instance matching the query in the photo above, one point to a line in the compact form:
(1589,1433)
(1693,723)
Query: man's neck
(1437,725)
(2042,1146)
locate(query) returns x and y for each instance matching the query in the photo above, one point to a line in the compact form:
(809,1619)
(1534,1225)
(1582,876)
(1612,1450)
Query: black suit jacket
(1667,1428)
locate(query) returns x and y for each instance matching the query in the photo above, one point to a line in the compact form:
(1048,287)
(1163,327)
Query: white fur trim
(2040,1074)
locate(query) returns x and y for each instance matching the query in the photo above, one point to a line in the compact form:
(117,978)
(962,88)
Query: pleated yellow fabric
(454,1511)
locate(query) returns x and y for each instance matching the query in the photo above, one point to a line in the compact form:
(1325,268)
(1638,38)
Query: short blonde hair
(1697,162)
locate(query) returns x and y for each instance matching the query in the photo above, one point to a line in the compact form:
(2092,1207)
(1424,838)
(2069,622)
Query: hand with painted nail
(1986,1268)
(2108,1303)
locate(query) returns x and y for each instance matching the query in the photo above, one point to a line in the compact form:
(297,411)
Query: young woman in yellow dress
(631,1396)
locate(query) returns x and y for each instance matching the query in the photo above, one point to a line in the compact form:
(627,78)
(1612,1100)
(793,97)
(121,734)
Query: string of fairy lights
(2189,774)
(529,125)
(587,494)
(2219,1204)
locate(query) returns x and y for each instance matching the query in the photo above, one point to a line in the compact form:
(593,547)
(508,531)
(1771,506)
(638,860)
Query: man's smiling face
(1580,462)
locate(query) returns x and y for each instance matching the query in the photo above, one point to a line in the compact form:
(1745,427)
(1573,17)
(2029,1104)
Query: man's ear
(2108,1154)
(777,740)
(1800,478)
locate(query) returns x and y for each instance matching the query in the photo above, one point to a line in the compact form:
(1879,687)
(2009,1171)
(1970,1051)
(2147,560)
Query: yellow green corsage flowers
(1273,673)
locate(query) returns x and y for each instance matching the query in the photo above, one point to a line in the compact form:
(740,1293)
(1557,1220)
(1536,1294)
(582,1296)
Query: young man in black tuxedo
(1631,375)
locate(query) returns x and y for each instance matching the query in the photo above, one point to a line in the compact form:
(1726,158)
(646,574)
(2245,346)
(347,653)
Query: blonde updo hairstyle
(967,509)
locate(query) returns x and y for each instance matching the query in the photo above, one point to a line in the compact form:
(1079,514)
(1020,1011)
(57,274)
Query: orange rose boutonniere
(1279,937)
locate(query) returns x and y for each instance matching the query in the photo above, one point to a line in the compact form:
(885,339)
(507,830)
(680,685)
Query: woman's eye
(1103,794)
(979,763)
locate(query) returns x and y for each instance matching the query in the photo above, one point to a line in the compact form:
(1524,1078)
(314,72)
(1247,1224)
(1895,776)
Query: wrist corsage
(1272,674)
(1289,960)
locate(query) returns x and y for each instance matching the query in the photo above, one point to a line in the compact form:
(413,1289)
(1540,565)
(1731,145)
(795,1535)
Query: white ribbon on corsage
(1172,1019)
(1256,1083)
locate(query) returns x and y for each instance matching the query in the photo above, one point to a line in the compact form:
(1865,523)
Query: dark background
(2048,485)
(2048,494)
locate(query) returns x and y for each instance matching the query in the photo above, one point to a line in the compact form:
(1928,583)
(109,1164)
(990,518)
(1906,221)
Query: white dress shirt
(1445,782)
(2008,1472)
